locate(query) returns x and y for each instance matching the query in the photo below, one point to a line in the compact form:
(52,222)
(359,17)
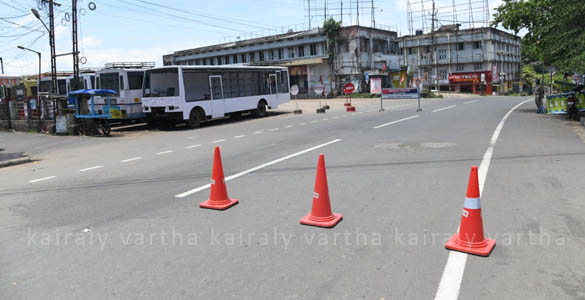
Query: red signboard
(470,77)
(348,88)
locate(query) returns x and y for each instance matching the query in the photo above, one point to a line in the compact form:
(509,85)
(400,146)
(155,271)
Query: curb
(16,161)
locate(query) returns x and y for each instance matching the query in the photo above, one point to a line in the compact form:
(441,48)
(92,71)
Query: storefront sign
(375,85)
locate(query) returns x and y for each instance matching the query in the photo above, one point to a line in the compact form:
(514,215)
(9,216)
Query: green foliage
(555,30)
(331,28)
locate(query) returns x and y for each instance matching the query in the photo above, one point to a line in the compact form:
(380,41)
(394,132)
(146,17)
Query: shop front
(471,82)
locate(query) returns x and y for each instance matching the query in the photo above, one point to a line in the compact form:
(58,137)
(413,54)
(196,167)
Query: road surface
(119,218)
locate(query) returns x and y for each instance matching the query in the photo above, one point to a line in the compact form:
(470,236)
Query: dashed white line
(440,109)
(288,126)
(90,168)
(264,165)
(164,152)
(397,121)
(469,102)
(450,284)
(274,129)
(130,159)
(335,117)
(192,146)
(218,141)
(239,136)
(257,132)
(325,119)
(301,124)
(314,121)
(344,116)
(41,179)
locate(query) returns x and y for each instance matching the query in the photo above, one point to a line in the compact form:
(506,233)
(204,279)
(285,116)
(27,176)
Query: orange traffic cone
(218,198)
(321,214)
(470,238)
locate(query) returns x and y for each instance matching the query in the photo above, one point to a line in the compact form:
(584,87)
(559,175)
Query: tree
(331,28)
(555,30)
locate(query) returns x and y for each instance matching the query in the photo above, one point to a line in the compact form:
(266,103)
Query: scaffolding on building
(467,13)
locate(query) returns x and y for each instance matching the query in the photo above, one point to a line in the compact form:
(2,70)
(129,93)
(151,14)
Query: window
(477,66)
(442,74)
(219,58)
(196,86)
(343,45)
(301,51)
(235,58)
(92,78)
(477,45)
(243,58)
(261,55)
(121,82)
(460,67)
(291,52)
(280,53)
(197,62)
(442,53)
(271,54)
(313,49)
(460,47)
(110,81)
(135,80)
(162,83)
(410,50)
(364,44)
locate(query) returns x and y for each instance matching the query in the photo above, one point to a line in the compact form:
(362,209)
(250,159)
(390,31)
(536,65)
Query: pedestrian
(539,97)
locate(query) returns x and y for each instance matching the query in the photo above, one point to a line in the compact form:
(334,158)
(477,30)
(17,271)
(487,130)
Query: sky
(145,30)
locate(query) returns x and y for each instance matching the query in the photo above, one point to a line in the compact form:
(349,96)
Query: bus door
(217,101)
(273,88)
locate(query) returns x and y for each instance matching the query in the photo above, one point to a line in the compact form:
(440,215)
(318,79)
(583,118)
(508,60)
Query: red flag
(384,67)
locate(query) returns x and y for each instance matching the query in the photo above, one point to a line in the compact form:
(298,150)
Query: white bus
(197,93)
(126,80)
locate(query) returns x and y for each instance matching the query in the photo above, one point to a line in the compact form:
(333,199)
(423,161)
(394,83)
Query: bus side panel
(188,106)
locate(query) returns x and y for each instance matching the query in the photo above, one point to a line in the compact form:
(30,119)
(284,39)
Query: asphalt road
(118,218)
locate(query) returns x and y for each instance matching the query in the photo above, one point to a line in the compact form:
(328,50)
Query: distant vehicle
(126,80)
(198,93)
(435,91)
(46,85)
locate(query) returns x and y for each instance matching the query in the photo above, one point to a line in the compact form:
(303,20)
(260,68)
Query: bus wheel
(260,111)
(194,119)
(106,128)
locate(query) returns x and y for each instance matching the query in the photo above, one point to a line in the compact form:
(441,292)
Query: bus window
(283,82)
(196,86)
(92,79)
(97,83)
(110,81)
(135,80)
(121,82)
(162,83)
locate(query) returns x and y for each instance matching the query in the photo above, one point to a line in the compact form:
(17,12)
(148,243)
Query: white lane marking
(218,141)
(256,168)
(335,117)
(239,136)
(274,129)
(258,132)
(397,121)
(325,119)
(440,109)
(164,152)
(91,168)
(469,102)
(344,116)
(41,179)
(192,146)
(314,121)
(301,124)
(130,159)
(450,283)
(288,126)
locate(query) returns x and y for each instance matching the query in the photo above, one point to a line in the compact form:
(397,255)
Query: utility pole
(342,13)
(2,64)
(52,44)
(309,5)
(357,3)
(324,10)
(433,54)
(76,81)
(373,18)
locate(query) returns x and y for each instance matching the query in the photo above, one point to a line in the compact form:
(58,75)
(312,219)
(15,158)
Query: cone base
(326,224)
(222,206)
(485,250)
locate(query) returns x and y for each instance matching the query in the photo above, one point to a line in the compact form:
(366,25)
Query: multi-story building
(360,52)
(467,60)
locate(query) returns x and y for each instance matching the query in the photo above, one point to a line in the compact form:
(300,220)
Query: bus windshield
(161,83)
(110,81)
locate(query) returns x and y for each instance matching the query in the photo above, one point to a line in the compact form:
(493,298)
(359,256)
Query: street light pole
(39,78)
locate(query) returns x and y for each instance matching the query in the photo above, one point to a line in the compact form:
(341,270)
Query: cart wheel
(106,128)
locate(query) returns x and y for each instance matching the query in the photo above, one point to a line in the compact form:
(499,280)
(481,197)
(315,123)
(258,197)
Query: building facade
(468,60)
(360,53)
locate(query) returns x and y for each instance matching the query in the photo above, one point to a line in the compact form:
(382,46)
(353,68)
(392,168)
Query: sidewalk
(15,158)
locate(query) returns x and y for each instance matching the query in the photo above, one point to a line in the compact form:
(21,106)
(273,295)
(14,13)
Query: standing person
(539,96)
